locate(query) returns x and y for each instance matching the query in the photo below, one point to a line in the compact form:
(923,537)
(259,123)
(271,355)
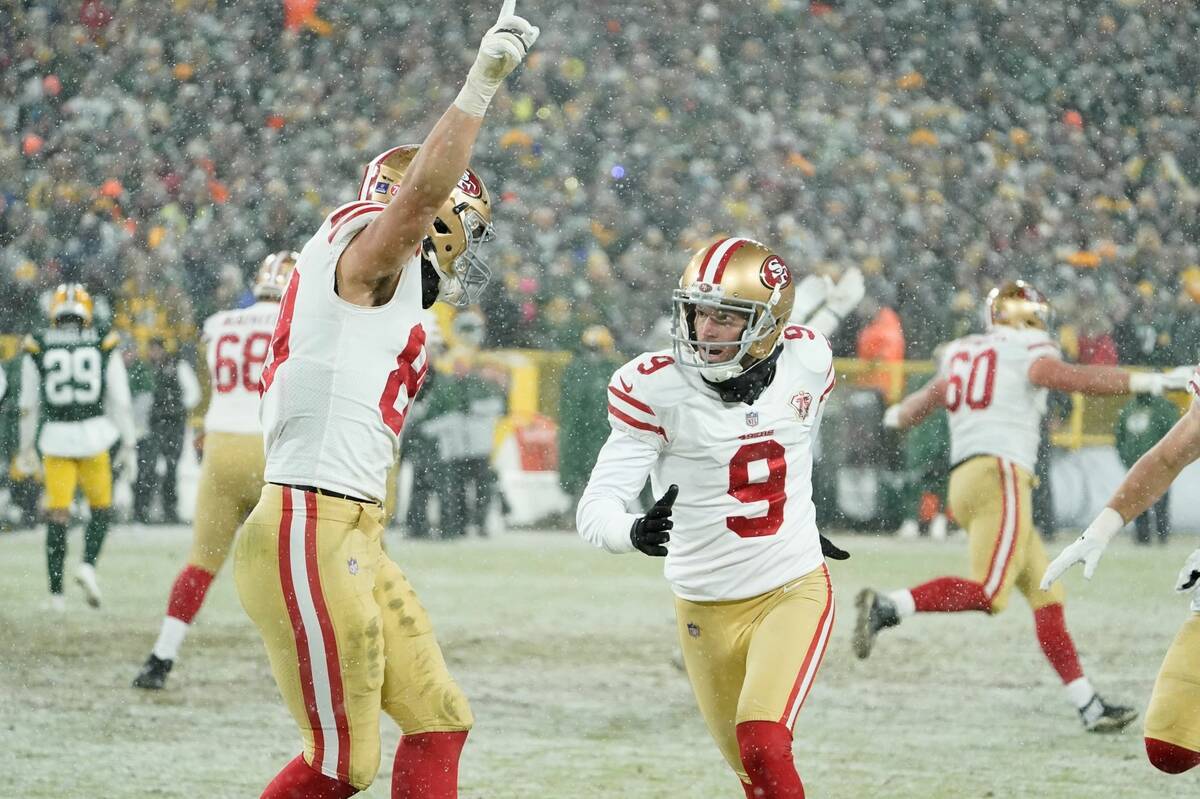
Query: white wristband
(1106,525)
(1145,383)
(476,94)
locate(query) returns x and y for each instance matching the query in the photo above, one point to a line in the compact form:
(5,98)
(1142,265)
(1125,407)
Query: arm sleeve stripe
(629,420)
(641,406)
(372,207)
(1049,344)
(345,209)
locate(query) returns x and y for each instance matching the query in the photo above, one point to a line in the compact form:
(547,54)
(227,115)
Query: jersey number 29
(72,376)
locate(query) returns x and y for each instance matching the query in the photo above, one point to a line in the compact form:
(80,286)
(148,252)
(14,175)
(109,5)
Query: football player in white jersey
(235,344)
(1172,732)
(724,426)
(346,635)
(994,386)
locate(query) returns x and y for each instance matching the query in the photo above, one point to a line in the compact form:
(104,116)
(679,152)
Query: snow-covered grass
(566,655)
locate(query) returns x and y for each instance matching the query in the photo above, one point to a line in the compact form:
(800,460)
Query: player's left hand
(126,463)
(1189,575)
(832,550)
(1086,549)
(847,293)
(891,417)
(652,532)
(505,44)
(27,462)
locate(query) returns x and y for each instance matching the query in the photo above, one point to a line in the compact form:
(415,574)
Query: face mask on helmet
(461,225)
(274,274)
(730,282)
(71,304)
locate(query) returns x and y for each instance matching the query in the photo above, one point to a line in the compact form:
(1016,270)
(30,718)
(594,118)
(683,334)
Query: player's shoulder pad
(110,341)
(351,216)
(807,347)
(31,344)
(651,377)
(1036,342)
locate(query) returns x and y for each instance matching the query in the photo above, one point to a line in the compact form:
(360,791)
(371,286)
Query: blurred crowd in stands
(158,150)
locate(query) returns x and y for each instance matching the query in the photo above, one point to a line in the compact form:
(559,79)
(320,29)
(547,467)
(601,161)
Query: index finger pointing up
(507,9)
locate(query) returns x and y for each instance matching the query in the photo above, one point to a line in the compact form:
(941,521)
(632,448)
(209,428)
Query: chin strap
(747,386)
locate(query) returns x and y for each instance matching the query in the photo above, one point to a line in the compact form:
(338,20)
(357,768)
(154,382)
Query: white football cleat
(57,603)
(939,527)
(909,529)
(85,577)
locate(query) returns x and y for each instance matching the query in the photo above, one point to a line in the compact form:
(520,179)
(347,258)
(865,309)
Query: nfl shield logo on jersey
(352,565)
(801,402)
(693,629)
(752,418)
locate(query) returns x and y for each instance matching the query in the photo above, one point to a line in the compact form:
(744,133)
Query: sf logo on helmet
(775,273)
(468,184)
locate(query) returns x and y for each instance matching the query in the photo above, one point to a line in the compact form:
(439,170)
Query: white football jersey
(339,378)
(236,344)
(744,519)
(993,406)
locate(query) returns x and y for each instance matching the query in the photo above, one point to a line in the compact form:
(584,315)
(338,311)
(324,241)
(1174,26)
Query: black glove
(832,550)
(650,532)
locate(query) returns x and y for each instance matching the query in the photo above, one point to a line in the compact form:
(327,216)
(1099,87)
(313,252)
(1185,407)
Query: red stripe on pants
(332,661)
(293,609)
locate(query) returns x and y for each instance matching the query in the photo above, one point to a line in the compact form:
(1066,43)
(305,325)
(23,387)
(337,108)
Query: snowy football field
(566,655)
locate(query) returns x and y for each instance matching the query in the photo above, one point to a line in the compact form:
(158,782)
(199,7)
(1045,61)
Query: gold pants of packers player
(231,480)
(63,475)
(345,633)
(755,659)
(1174,712)
(992,498)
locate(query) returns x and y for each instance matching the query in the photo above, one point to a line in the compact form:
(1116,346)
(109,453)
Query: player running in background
(235,345)
(1173,719)
(73,382)
(994,388)
(346,635)
(726,425)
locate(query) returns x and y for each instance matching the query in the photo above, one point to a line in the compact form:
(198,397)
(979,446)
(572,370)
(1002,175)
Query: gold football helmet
(1018,304)
(462,223)
(71,300)
(273,275)
(738,276)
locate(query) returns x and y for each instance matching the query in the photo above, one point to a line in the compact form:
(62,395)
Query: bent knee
(1170,758)
(997,604)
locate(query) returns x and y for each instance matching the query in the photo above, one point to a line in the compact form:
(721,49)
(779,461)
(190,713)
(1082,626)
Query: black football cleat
(1099,716)
(153,675)
(875,612)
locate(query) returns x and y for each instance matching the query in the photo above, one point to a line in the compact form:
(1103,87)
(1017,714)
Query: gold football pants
(1174,712)
(345,633)
(755,659)
(231,479)
(992,498)
(93,474)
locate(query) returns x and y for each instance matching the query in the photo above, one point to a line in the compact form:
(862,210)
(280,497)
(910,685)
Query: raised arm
(1143,485)
(1050,372)
(378,254)
(913,409)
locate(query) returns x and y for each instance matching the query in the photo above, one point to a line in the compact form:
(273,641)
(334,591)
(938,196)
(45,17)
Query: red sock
(187,595)
(426,765)
(1056,642)
(950,595)
(766,750)
(298,780)
(1171,758)
(749,789)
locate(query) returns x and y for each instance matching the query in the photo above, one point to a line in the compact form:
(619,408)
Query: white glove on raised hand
(503,47)
(126,463)
(1177,379)
(1189,575)
(810,295)
(891,417)
(1087,549)
(845,296)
